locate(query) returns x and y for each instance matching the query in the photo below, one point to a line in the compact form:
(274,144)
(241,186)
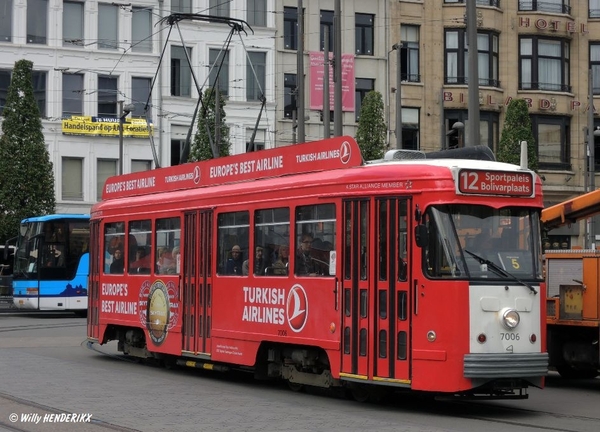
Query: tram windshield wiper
(500,271)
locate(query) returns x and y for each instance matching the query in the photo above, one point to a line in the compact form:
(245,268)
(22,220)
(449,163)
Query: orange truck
(573,299)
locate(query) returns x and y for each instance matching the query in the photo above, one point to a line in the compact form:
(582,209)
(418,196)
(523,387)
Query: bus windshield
(52,247)
(477,242)
(28,245)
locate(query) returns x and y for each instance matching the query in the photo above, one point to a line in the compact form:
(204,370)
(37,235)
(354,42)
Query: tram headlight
(510,318)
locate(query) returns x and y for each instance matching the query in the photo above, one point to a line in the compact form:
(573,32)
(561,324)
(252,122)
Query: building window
(552,134)
(259,140)
(37,21)
(410,128)
(457,137)
(107,96)
(105,168)
(596,147)
(181,74)
(141,27)
(218,8)
(72,94)
(108,26)
(6,20)
(255,85)
(364,34)
(595,66)
(257,13)
(181,6)
(73,24)
(215,57)
(290,28)
(140,92)
(457,71)
(552,6)
(594,9)
(326,21)
(289,95)
(39,90)
(363,86)
(4,84)
(140,165)
(72,179)
(176,150)
(409,53)
(544,64)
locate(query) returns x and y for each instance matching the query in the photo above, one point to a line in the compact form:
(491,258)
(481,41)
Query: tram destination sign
(488,182)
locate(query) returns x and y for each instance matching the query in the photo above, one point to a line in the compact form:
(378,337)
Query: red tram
(305,263)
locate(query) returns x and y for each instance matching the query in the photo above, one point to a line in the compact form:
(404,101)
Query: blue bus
(51,267)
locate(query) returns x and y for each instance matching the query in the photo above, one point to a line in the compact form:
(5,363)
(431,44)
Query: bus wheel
(295,387)
(569,372)
(81,313)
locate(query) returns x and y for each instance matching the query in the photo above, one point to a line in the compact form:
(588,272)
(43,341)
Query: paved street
(46,368)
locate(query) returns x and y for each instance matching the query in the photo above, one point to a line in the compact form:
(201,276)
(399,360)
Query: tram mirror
(23,229)
(421,235)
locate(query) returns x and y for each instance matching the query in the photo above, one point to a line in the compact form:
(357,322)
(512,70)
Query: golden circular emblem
(158,312)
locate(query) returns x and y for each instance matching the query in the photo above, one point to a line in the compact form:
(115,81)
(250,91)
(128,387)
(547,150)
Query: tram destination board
(488,182)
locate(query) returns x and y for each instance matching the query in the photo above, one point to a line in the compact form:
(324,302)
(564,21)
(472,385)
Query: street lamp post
(123,112)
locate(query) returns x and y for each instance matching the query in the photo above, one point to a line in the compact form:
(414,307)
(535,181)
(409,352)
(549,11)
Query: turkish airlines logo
(196,175)
(345,152)
(297,308)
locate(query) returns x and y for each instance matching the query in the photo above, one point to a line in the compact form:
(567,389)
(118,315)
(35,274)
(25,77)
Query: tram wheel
(360,393)
(295,387)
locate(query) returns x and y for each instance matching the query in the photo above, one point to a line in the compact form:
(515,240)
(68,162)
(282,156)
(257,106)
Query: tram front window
(470,242)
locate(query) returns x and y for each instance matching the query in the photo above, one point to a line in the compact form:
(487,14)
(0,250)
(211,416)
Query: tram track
(39,327)
(472,410)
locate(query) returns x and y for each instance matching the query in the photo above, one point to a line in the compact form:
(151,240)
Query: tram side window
(114,247)
(233,242)
(140,247)
(315,240)
(272,235)
(168,235)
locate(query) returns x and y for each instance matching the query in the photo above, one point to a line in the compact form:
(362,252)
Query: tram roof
(332,158)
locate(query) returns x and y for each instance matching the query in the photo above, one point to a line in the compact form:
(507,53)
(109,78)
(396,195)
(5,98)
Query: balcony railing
(542,6)
(482,81)
(494,3)
(545,86)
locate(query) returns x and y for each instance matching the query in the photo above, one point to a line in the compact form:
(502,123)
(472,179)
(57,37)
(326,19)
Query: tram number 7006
(510,336)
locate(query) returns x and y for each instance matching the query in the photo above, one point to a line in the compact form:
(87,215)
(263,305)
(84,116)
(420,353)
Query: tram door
(355,288)
(197,281)
(93,283)
(391,327)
